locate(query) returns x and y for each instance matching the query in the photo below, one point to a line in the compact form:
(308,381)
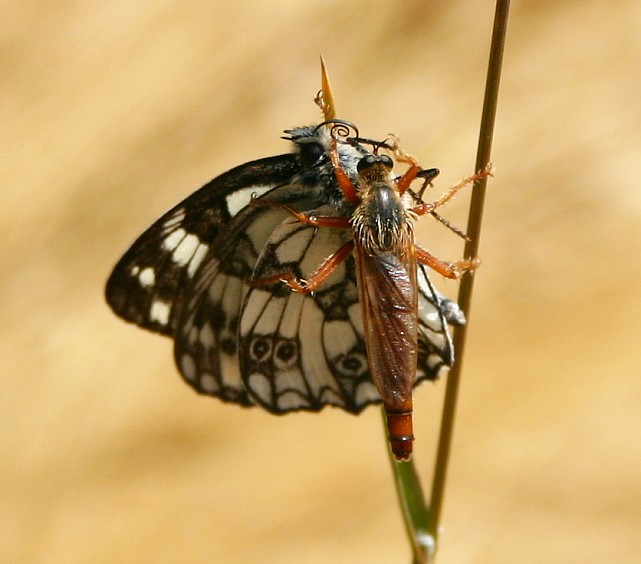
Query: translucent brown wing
(388,294)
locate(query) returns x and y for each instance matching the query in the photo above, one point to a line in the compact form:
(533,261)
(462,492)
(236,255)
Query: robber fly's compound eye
(386,161)
(371,160)
(366,162)
(311,152)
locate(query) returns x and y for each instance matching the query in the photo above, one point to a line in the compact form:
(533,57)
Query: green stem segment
(412,502)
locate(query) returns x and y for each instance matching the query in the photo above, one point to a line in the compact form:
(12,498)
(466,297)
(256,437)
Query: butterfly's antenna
(325,97)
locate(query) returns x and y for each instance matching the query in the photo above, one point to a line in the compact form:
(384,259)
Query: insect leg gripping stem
(447,269)
(422,209)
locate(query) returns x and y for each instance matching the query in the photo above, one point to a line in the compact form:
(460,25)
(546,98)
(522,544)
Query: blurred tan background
(114,111)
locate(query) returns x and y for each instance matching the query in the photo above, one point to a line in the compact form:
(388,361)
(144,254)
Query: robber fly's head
(381,221)
(374,168)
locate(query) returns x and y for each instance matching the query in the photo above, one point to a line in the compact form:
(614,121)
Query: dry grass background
(113,111)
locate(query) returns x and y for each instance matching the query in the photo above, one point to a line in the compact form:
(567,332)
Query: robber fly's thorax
(381,220)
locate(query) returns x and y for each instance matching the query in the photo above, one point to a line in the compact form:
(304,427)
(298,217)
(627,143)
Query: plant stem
(471,251)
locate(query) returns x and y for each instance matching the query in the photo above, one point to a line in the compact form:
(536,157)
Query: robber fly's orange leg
(317,278)
(422,209)
(447,269)
(315,220)
(344,182)
(404,181)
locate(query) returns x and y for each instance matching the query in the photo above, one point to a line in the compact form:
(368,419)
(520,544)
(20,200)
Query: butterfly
(187,277)
(197,275)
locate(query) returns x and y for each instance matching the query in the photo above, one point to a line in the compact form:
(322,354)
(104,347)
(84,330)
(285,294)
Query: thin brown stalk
(471,252)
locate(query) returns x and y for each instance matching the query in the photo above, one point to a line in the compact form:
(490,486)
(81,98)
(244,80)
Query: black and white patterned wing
(302,352)
(206,332)
(146,286)
(205,341)
(435,312)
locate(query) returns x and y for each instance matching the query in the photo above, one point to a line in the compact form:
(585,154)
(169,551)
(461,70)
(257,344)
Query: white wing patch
(159,312)
(296,239)
(176,218)
(208,383)
(147,277)
(240,199)
(188,367)
(173,239)
(314,360)
(197,258)
(185,250)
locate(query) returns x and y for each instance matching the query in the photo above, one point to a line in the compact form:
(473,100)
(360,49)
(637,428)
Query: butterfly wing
(435,313)
(146,286)
(205,344)
(302,352)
